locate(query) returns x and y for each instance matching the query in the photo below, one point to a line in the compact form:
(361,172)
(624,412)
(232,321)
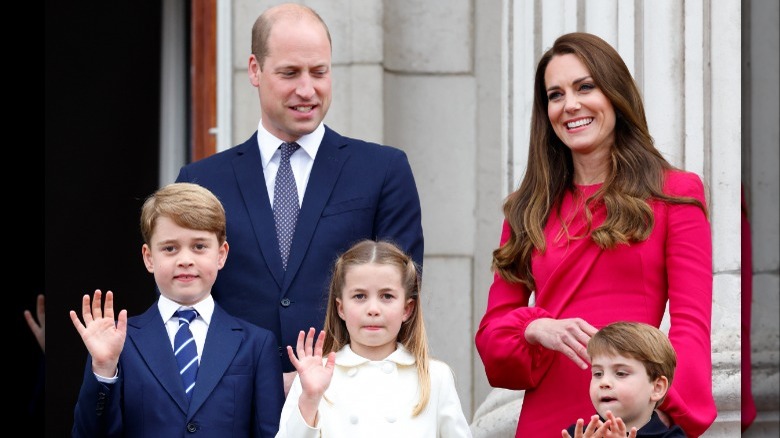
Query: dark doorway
(102,144)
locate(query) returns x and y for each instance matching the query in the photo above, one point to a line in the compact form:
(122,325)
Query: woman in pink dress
(601,229)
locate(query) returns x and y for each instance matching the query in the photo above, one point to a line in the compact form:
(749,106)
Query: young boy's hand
(582,431)
(103,337)
(617,429)
(612,428)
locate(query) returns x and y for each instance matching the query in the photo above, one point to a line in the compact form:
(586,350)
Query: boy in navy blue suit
(132,385)
(632,367)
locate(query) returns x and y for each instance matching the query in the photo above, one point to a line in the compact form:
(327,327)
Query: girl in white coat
(368,373)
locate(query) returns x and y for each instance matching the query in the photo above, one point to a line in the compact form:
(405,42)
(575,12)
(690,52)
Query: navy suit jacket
(238,392)
(357,190)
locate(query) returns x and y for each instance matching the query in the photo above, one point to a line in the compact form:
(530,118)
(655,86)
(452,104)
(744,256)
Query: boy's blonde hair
(186,204)
(412,334)
(639,341)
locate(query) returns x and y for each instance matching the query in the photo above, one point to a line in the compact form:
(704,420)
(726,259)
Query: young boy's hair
(412,334)
(639,341)
(188,205)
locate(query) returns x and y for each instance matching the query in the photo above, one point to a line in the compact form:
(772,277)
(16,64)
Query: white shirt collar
(348,358)
(168,307)
(270,143)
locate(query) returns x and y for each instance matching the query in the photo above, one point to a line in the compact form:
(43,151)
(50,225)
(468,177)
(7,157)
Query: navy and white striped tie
(185,350)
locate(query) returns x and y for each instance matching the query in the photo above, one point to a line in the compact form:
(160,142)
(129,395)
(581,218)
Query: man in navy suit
(132,384)
(348,189)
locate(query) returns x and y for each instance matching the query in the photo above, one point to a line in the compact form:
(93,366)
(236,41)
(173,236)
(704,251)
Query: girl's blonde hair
(412,334)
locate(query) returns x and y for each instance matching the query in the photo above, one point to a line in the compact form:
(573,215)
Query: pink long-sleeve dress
(575,278)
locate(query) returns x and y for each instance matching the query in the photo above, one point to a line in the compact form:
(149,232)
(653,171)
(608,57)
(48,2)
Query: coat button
(192,427)
(353,419)
(285,302)
(352,372)
(388,367)
(390,419)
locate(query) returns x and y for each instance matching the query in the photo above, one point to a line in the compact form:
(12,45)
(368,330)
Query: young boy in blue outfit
(132,384)
(632,367)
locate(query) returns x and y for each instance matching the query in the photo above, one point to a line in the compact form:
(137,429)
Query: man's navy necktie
(285,202)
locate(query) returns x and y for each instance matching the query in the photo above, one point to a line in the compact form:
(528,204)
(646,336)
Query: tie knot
(288,149)
(186,315)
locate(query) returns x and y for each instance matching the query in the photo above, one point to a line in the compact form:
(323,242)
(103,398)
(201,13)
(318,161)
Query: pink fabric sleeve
(689,271)
(510,361)
(748,403)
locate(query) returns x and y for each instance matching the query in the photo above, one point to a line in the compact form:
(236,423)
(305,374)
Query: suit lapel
(222,342)
(330,158)
(249,175)
(148,334)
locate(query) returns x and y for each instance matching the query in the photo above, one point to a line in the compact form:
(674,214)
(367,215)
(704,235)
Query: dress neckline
(588,189)
(598,184)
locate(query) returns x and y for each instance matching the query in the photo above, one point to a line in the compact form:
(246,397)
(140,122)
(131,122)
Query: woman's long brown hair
(636,173)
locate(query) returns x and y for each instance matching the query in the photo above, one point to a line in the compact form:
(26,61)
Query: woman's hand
(568,336)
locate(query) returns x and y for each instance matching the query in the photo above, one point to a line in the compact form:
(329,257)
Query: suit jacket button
(192,427)
(285,302)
